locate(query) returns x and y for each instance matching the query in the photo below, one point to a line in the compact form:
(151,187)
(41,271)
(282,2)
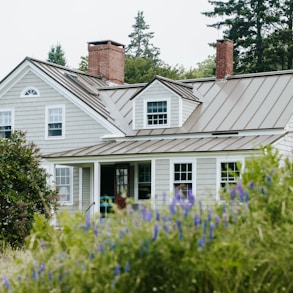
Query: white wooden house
(99,136)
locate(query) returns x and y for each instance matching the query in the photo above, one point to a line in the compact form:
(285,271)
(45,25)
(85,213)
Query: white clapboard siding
(30,116)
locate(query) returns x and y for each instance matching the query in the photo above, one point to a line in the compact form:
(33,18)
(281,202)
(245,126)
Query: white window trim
(145,108)
(47,121)
(12,116)
(191,161)
(22,95)
(70,202)
(224,160)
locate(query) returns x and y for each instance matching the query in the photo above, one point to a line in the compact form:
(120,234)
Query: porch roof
(176,145)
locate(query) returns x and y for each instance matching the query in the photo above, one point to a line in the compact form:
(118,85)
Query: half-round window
(30,92)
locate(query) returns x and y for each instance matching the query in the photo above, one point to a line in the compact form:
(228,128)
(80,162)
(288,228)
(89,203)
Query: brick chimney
(224,58)
(106,58)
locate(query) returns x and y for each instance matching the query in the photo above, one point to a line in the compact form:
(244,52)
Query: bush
(242,246)
(23,190)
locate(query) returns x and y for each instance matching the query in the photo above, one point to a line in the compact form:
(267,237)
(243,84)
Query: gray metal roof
(84,86)
(207,144)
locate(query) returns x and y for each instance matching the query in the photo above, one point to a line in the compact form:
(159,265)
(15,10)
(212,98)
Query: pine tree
(56,55)
(254,26)
(140,41)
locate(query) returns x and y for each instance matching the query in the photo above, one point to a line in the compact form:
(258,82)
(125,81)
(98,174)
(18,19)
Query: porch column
(80,195)
(96,187)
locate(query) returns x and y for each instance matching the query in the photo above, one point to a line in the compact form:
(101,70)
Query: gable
(160,106)
(31,114)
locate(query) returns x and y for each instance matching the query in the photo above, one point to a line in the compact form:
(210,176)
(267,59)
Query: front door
(121,185)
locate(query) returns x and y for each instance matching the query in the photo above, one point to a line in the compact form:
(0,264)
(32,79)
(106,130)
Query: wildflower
(201,242)
(156,232)
(91,257)
(127,267)
(232,194)
(186,207)
(117,270)
(240,192)
(196,220)
(212,227)
(157,215)
(96,232)
(121,234)
(200,207)
(191,197)
(42,268)
(217,219)
(210,215)
(6,282)
(180,229)
(204,227)
(251,185)
(173,207)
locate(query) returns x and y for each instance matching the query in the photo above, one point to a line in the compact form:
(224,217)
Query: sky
(29,28)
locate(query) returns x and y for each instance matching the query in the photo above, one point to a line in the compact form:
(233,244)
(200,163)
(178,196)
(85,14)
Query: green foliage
(259,29)
(56,55)
(23,191)
(140,41)
(83,65)
(241,246)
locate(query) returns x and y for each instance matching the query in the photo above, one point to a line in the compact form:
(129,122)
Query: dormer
(163,103)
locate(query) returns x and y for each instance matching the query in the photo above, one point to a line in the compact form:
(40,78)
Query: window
(183,178)
(55,125)
(157,113)
(30,92)
(63,184)
(144,181)
(229,173)
(5,124)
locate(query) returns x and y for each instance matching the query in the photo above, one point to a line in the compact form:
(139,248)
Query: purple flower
(173,207)
(240,192)
(127,267)
(157,215)
(191,198)
(232,194)
(201,242)
(156,232)
(117,270)
(6,282)
(212,227)
(91,257)
(42,268)
(178,222)
(96,232)
(196,220)
(210,215)
(251,185)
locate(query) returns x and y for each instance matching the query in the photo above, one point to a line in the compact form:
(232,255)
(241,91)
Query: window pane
(63,183)
(183,178)
(157,107)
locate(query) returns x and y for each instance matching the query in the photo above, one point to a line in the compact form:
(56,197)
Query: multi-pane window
(63,183)
(5,124)
(157,113)
(229,173)
(55,122)
(183,178)
(122,180)
(144,181)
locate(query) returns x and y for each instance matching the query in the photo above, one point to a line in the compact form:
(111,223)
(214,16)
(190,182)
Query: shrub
(241,246)
(23,190)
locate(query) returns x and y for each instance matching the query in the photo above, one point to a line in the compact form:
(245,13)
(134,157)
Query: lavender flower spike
(6,282)
(156,232)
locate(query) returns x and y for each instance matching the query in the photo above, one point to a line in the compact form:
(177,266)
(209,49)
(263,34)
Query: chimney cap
(104,42)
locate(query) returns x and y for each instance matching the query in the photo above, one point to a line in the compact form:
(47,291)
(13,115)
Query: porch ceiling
(206,144)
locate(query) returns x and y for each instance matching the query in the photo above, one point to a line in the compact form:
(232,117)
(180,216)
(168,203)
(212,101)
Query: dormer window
(30,92)
(157,113)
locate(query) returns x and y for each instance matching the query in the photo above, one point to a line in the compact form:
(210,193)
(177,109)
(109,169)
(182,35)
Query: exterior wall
(30,116)
(285,146)
(86,188)
(157,92)
(206,174)
(187,108)
(162,179)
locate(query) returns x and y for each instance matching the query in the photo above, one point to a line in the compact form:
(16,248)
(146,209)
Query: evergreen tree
(254,27)
(56,55)
(140,41)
